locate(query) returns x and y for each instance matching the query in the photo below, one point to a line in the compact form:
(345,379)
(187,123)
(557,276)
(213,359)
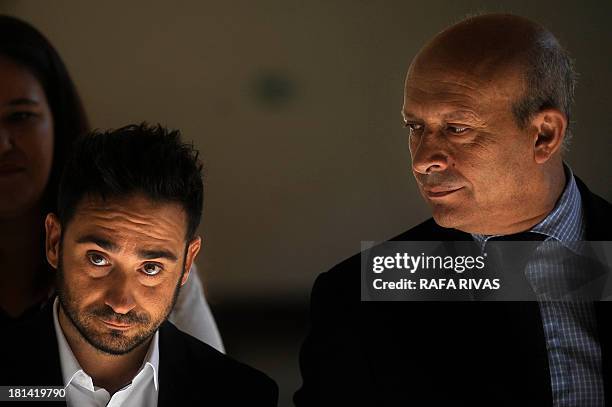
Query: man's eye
(97,259)
(414,127)
(457,129)
(151,269)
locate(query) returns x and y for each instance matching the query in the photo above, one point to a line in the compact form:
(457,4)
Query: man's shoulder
(28,343)
(427,230)
(187,361)
(598,213)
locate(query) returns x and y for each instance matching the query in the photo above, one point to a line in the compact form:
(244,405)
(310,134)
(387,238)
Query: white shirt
(80,390)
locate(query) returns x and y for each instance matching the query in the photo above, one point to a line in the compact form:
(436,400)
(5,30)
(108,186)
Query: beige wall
(292,190)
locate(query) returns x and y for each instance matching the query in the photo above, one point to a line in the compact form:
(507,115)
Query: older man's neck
(111,372)
(526,212)
(542,204)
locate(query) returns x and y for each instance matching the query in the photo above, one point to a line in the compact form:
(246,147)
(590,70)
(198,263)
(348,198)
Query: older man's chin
(451,216)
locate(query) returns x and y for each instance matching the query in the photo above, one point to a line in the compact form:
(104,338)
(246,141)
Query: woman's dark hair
(26,46)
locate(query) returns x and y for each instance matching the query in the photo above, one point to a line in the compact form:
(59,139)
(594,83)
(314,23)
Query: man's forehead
(445,98)
(135,214)
(457,91)
(482,43)
(475,79)
(477,55)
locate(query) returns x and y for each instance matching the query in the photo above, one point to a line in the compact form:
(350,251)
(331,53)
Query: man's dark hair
(550,80)
(150,160)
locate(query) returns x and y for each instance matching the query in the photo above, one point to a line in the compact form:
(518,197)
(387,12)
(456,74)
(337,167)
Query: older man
(487,104)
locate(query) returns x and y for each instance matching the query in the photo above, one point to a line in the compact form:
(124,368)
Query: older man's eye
(457,129)
(151,269)
(97,259)
(414,127)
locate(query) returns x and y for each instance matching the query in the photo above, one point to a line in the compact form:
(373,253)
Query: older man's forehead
(494,37)
(484,53)
(459,92)
(448,99)
(475,74)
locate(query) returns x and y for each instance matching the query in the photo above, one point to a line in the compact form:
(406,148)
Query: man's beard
(110,341)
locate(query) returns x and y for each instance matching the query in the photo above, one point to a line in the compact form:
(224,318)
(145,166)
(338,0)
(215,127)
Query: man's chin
(450,217)
(116,343)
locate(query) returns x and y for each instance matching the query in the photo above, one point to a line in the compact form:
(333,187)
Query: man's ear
(549,131)
(53,239)
(192,251)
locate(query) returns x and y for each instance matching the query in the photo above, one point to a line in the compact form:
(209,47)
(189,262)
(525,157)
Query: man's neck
(534,210)
(111,372)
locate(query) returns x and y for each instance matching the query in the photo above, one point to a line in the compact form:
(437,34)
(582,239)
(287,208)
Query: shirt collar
(71,367)
(565,223)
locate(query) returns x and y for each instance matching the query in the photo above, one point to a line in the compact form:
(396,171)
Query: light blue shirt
(574,352)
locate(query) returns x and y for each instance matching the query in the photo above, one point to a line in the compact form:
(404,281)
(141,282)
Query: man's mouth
(116,325)
(440,192)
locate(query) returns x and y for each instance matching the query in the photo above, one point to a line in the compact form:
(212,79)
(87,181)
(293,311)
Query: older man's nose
(429,154)
(119,295)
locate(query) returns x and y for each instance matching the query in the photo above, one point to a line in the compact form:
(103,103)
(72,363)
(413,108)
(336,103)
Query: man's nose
(119,296)
(429,153)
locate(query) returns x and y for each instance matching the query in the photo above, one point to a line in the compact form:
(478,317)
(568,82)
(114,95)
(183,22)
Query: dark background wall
(295,107)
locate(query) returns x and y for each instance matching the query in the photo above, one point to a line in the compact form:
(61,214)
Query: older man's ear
(549,132)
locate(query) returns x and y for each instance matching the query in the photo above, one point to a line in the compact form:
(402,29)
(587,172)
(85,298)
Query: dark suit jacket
(434,353)
(191,373)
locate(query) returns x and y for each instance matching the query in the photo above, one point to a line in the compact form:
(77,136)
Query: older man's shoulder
(597,212)
(428,230)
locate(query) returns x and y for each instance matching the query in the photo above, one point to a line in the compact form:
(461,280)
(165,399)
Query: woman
(40,115)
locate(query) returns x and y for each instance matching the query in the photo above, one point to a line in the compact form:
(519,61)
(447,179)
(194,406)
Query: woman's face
(26,139)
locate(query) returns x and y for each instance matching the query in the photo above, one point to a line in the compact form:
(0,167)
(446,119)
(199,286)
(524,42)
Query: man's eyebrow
(100,241)
(461,115)
(406,116)
(157,254)
(448,116)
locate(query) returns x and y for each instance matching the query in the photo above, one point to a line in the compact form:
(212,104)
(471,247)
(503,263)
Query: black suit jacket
(434,353)
(191,373)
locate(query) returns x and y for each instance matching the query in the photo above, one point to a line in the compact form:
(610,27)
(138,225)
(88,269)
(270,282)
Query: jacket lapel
(171,365)
(598,219)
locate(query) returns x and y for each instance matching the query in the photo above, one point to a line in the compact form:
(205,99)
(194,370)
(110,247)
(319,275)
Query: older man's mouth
(440,192)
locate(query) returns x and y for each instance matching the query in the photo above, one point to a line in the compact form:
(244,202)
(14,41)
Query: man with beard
(487,105)
(123,242)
